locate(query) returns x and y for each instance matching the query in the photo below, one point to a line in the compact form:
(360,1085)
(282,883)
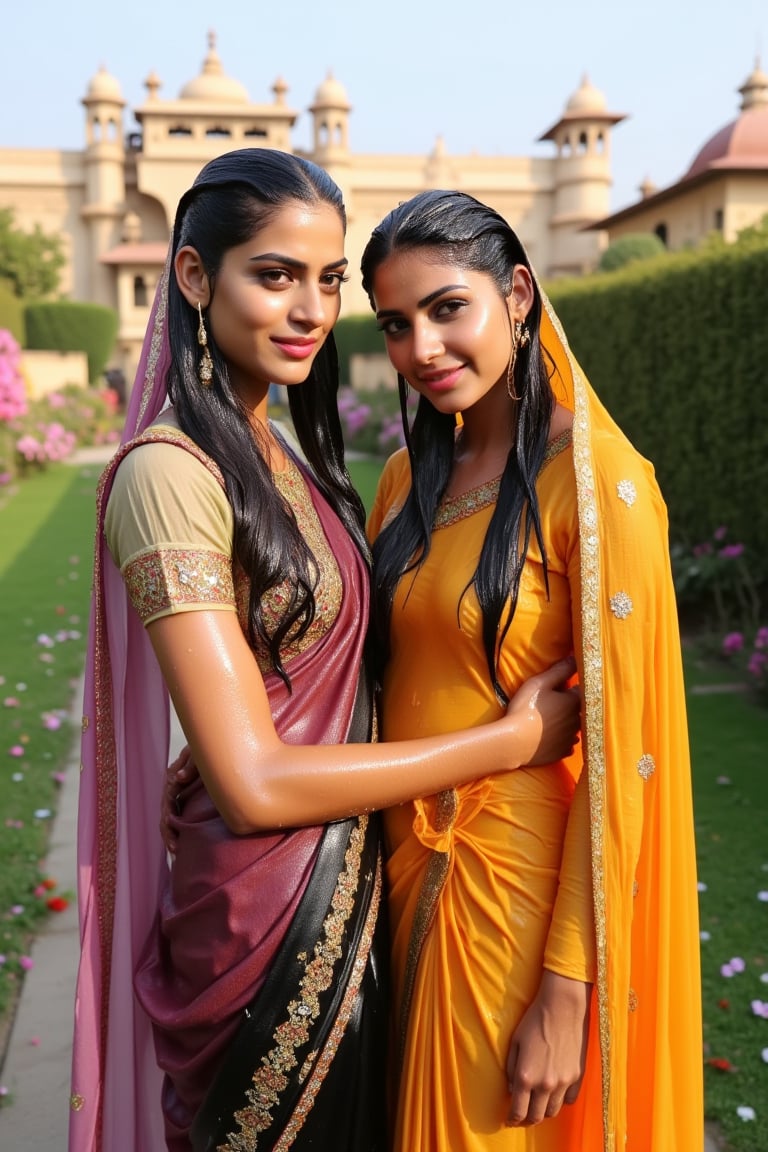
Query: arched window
(661,232)
(260,132)
(719,219)
(139,292)
(583,142)
(217,133)
(179,130)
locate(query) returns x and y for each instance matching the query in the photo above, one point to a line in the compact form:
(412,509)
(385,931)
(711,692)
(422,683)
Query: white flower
(745,1112)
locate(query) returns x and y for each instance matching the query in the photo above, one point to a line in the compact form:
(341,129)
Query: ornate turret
(330,113)
(582,176)
(105,174)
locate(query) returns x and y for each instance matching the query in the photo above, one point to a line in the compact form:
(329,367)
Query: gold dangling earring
(511,366)
(205,367)
(520,338)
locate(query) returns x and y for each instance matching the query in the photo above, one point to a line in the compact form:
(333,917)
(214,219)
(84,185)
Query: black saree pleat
(307,1067)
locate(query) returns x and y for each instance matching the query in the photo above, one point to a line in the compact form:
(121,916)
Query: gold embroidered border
(432,885)
(457,508)
(271,1077)
(164,578)
(593,699)
(322,1064)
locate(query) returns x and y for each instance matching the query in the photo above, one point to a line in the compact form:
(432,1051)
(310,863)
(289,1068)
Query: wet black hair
(234,197)
(458,229)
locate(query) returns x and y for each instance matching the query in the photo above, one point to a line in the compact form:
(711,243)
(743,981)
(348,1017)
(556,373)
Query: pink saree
(182,953)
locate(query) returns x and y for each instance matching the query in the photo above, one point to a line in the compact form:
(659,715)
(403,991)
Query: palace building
(724,190)
(113,202)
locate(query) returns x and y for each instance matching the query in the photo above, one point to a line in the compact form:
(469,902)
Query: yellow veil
(637,759)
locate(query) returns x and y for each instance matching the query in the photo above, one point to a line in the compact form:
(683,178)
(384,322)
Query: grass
(46,524)
(729,749)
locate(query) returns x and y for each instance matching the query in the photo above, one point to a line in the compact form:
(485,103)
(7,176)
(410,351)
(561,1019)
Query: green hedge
(356,334)
(677,349)
(65,326)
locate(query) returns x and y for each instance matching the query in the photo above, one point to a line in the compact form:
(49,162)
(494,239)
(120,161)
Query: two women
(234,576)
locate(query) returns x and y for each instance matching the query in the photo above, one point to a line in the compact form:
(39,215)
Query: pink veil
(120,859)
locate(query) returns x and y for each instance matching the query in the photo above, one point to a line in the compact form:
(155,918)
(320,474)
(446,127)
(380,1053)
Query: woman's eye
(275,276)
(392,327)
(334,280)
(447,308)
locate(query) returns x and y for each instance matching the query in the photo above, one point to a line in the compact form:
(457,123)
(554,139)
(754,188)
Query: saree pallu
(226,907)
(643,1085)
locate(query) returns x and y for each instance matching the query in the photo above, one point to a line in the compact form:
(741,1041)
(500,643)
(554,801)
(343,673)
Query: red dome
(741,144)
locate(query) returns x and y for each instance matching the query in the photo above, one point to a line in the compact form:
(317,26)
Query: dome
(103,86)
(331,94)
(744,142)
(213,86)
(586,100)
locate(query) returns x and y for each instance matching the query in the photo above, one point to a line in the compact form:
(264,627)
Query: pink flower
(731,551)
(11,702)
(761,638)
(760,1008)
(733,642)
(721,532)
(26,963)
(16,750)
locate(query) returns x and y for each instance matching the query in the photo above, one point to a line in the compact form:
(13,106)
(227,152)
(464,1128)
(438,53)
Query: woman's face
(276,298)
(448,330)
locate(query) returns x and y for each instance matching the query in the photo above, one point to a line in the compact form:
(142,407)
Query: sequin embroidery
(165,578)
(621,605)
(646,766)
(627,492)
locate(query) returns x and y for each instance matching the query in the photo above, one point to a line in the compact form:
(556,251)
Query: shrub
(628,249)
(65,326)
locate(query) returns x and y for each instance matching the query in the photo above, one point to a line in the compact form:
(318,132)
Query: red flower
(57,903)
(724,1004)
(49,884)
(720,1063)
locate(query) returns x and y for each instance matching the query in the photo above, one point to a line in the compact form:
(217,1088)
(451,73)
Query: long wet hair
(233,198)
(460,230)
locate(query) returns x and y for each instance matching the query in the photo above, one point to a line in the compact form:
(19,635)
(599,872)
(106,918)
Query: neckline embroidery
(456,508)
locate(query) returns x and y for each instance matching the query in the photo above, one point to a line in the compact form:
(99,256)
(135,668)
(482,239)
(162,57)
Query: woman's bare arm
(257,782)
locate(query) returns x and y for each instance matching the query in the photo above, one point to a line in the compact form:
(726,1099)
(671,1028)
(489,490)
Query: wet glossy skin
(274,299)
(448,329)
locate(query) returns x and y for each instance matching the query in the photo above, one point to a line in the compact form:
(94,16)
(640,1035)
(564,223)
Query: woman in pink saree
(236,999)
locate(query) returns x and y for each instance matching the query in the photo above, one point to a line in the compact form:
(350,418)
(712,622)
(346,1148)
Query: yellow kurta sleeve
(169,529)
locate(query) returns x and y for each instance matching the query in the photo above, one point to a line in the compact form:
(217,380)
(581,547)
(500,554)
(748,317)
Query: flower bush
(714,585)
(749,653)
(372,425)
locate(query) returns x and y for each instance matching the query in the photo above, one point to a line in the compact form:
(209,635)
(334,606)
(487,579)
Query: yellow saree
(490,882)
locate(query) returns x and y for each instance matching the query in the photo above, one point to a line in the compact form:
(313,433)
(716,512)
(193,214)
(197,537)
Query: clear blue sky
(488,75)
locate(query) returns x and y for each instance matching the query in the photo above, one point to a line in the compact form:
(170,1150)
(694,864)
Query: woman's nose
(426,343)
(309,306)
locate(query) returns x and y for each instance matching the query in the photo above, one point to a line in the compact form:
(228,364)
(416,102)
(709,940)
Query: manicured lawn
(46,528)
(729,748)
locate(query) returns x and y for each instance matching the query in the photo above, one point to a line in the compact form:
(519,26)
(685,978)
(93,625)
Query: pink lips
(441,381)
(297,349)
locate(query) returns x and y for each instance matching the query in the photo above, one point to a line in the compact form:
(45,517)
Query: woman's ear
(520,299)
(191,277)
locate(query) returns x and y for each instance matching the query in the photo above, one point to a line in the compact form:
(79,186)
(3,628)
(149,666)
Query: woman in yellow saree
(544,922)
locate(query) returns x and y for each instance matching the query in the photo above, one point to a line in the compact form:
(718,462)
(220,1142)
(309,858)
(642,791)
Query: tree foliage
(30,261)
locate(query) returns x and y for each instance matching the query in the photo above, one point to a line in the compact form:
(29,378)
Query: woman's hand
(547,1054)
(547,713)
(177,775)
